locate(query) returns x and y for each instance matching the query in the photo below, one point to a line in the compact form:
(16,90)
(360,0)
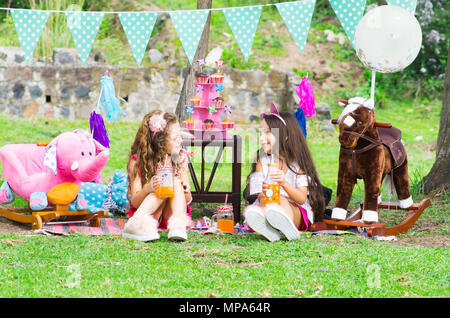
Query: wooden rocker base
(61,195)
(377,229)
(38,218)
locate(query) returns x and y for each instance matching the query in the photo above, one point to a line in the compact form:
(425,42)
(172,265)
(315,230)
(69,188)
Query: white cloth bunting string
(189,24)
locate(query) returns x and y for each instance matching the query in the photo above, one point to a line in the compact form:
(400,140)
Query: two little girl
(159,138)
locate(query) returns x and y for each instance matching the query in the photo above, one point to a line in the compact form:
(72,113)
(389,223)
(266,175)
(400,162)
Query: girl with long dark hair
(301,193)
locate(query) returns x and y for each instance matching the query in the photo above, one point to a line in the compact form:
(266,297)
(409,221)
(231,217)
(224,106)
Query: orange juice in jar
(272,188)
(166,189)
(225,218)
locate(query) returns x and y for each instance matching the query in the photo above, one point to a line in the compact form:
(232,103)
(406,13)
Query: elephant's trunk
(87,170)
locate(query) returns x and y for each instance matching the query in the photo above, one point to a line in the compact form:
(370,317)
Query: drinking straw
(226,198)
(165,160)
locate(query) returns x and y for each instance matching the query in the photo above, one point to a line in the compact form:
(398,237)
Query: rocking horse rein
(373,142)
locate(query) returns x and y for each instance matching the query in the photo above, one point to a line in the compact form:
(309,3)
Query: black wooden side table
(202,193)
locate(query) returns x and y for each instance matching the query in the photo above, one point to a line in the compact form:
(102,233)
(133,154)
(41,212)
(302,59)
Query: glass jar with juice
(271,189)
(165,175)
(225,218)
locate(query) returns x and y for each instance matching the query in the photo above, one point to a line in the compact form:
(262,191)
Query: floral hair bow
(157,123)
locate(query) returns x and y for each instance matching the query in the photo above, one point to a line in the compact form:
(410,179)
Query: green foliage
(433,17)
(303,73)
(219,266)
(234,60)
(8,33)
(417,185)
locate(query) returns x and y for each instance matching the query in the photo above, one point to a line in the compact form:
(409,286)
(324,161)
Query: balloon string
(372,86)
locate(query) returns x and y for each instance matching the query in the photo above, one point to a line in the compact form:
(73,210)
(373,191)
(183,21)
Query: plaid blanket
(114,226)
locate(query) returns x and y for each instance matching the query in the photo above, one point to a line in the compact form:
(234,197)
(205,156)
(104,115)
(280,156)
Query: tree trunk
(188,90)
(439,175)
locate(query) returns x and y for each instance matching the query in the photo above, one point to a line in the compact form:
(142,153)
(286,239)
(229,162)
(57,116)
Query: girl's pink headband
(274,111)
(157,123)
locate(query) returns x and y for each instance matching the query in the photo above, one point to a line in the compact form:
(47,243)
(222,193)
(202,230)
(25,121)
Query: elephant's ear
(98,147)
(50,157)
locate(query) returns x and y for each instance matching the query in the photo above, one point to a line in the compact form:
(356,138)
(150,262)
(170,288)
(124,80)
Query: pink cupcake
(216,78)
(189,124)
(218,102)
(195,101)
(201,78)
(208,124)
(227,124)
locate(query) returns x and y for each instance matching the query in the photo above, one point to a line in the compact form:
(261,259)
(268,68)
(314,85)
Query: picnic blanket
(114,226)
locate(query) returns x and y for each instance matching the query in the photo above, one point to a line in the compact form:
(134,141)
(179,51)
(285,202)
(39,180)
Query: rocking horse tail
(401,183)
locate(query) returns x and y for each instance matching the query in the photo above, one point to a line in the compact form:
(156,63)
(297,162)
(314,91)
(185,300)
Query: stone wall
(63,88)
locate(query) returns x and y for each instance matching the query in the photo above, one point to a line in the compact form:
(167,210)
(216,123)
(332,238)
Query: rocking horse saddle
(391,138)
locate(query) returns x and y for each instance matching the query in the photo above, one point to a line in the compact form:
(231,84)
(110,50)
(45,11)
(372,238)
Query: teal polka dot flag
(349,12)
(29,25)
(189,26)
(84,27)
(138,27)
(409,5)
(297,17)
(243,22)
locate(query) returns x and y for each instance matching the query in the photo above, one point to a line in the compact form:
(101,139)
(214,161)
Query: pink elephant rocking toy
(39,173)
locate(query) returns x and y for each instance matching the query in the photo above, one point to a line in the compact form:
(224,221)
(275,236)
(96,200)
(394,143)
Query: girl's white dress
(256,179)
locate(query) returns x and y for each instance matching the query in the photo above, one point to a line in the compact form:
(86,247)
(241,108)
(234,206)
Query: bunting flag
(29,26)
(243,22)
(189,26)
(297,17)
(349,12)
(138,27)
(409,5)
(84,27)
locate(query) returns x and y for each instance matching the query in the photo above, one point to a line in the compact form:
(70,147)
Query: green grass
(235,266)
(220,266)
(415,121)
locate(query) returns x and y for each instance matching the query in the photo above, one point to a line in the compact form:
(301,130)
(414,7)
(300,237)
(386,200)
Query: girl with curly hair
(157,142)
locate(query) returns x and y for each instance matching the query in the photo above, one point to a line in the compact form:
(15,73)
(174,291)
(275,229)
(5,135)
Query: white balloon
(388,39)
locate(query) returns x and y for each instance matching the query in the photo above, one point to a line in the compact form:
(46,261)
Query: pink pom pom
(307,99)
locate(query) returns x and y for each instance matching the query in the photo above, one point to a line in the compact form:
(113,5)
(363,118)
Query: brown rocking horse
(370,151)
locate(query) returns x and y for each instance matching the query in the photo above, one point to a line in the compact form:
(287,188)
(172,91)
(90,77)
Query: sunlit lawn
(229,266)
